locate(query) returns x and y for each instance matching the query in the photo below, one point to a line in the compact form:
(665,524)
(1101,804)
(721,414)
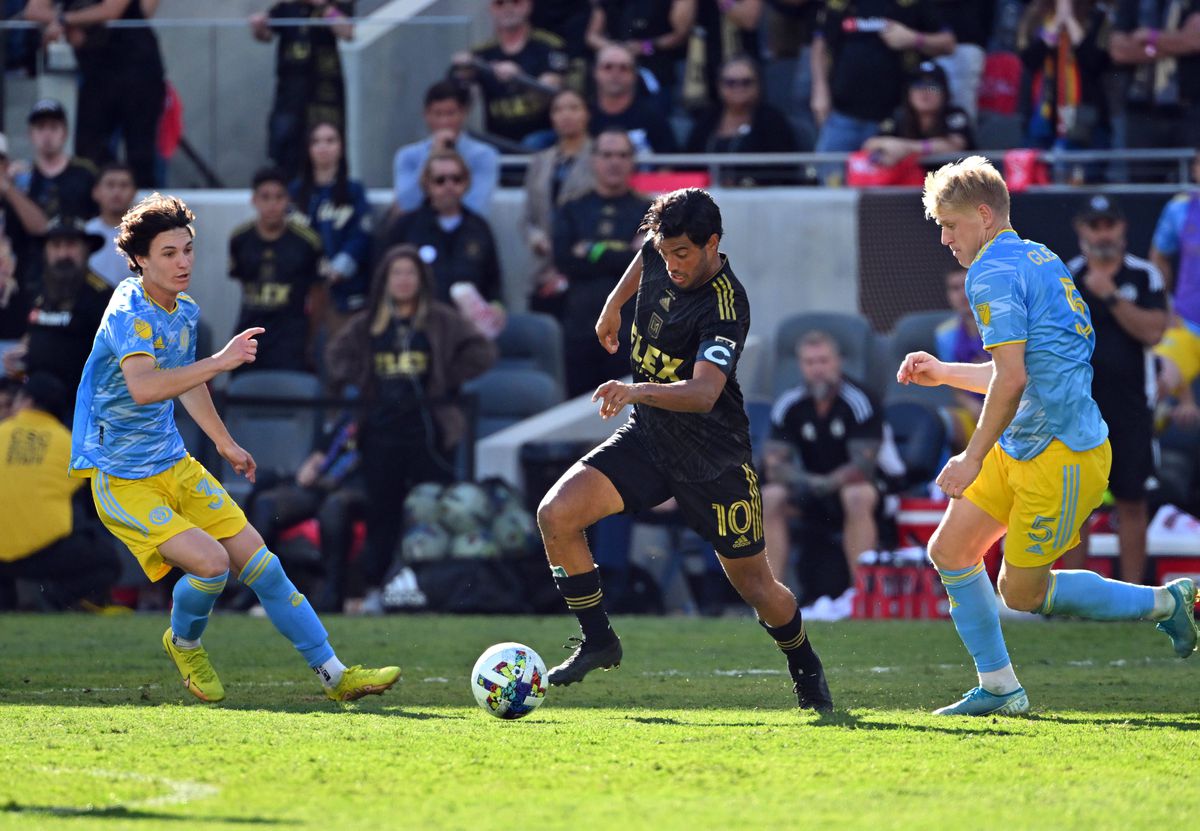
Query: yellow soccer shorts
(145,513)
(1181,346)
(1043,501)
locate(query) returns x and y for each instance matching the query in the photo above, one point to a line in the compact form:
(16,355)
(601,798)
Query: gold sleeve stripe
(756,512)
(724,292)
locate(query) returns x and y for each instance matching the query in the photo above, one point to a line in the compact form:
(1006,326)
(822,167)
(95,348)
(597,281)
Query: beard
(61,281)
(1103,251)
(820,390)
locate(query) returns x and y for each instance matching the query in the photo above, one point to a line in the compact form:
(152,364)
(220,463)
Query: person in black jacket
(743,123)
(595,236)
(453,240)
(67,311)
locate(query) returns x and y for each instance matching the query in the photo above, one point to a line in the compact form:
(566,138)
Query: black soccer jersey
(823,441)
(672,329)
(276,276)
(513,110)
(60,339)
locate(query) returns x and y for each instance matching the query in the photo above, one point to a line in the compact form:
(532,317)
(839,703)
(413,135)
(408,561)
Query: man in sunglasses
(454,240)
(594,238)
(1128,303)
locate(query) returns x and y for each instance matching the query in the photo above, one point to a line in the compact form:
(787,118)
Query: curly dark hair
(146,220)
(690,212)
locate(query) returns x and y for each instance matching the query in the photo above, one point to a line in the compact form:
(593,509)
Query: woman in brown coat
(407,355)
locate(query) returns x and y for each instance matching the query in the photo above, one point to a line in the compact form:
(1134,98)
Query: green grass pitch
(696,730)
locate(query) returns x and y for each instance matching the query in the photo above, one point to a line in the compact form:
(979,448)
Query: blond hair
(965,185)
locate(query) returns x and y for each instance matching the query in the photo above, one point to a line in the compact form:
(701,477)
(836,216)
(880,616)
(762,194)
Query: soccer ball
(424,543)
(465,507)
(513,529)
(509,680)
(421,505)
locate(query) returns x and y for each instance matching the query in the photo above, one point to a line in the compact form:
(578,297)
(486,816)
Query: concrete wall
(794,249)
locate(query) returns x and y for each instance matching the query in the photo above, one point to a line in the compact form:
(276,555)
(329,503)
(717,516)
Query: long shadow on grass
(1149,722)
(837,719)
(123,813)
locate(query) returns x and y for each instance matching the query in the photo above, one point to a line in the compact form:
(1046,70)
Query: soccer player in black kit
(688,438)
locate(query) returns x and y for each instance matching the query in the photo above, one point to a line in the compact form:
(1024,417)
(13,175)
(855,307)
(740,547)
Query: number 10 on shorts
(737,517)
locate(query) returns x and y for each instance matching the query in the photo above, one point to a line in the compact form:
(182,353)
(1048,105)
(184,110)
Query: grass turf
(696,730)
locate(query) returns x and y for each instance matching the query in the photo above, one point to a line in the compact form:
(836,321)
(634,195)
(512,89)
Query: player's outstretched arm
(697,394)
(148,384)
(608,327)
(925,370)
(199,404)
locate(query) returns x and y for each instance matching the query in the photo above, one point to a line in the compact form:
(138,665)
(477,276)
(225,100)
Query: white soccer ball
(421,506)
(465,507)
(509,680)
(424,543)
(513,529)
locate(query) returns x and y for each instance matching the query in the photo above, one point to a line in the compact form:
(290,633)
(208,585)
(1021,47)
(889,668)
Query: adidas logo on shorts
(741,542)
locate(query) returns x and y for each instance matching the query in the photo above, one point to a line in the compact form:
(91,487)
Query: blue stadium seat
(279,438)
(863,355)
(507,396)
(920,439)
(913,333)
(531,340)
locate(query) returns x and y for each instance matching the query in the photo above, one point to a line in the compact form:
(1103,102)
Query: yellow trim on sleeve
(990,347)
(131,354)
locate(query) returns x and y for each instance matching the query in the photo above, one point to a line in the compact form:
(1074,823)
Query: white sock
(999,681)
(184,643)
(330,672)
(1164,604)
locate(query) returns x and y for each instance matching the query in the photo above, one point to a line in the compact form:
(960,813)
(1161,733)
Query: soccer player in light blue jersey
(1039,459)
(152,495)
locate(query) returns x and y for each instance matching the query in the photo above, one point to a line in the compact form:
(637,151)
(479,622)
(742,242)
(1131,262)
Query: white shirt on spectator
(109,263)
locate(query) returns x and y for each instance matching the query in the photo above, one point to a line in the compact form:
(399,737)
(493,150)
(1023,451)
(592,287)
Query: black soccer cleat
(583,660)
(812,693)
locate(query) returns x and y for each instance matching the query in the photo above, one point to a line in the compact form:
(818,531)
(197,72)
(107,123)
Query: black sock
(586,599)
(792,641)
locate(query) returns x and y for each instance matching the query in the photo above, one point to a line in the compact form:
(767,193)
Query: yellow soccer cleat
(199,677)
(358,681)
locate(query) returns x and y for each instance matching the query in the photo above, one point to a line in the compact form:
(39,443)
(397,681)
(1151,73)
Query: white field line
(179,791)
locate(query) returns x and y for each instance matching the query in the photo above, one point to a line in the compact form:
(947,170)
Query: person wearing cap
(122,85)
(925,123)
(47,537)
(59,183)
(1128,303)
(68,310)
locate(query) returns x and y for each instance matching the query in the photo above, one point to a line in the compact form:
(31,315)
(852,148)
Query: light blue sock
(193,598)
(289,610)
(1087,594)
(973,610)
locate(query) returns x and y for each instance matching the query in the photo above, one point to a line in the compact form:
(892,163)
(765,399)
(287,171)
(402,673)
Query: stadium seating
(863,357)
(920,439)
(506,396)
(279,438)
(533,341)
(912,333)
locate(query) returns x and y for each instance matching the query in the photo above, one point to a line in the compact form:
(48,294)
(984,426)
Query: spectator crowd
(402,309)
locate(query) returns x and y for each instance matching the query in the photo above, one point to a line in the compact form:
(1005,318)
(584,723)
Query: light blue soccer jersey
(1020,291)
(111,432)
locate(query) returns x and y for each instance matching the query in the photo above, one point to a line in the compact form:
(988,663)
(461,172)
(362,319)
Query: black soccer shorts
(726,511)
